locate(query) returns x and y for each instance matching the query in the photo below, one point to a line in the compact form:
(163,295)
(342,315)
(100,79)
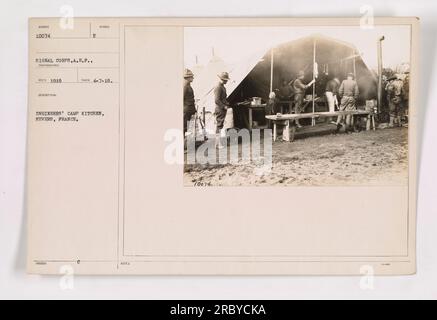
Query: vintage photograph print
(296,106)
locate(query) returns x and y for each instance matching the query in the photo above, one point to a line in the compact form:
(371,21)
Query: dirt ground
(363,158)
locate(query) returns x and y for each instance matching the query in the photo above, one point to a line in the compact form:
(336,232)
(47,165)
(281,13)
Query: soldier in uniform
(189,104)
(349,94)
(299,94)
(221,105)
(405,103)
(271,108)
(331,92)
(286,94)
(395,94)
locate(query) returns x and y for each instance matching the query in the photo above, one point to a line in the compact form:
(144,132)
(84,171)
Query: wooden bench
(289,120)
(319,102)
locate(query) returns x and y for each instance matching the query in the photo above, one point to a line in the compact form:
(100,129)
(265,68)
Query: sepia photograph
(296,106)
(236,153)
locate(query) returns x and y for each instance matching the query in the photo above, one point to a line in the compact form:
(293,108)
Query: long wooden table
(289,120)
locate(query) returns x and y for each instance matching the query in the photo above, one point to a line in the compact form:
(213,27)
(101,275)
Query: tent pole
(380,66)
(355,70)
(271,70)
(313,122)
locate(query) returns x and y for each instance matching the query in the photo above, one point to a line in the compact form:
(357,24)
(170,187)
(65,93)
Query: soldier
(189,104)
(221,105)
(299,94)
(349,94)
(405,103)
(286,93)
(395,94)
(271,108)
(331,92)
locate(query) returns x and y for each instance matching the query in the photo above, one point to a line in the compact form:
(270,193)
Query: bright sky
(233,44)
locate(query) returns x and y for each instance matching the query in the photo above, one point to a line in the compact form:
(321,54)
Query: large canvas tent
(319,56)
(206,78)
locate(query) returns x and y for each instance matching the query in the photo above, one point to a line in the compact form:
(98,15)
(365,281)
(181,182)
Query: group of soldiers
(396,94)
(347,91)
(220,99)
